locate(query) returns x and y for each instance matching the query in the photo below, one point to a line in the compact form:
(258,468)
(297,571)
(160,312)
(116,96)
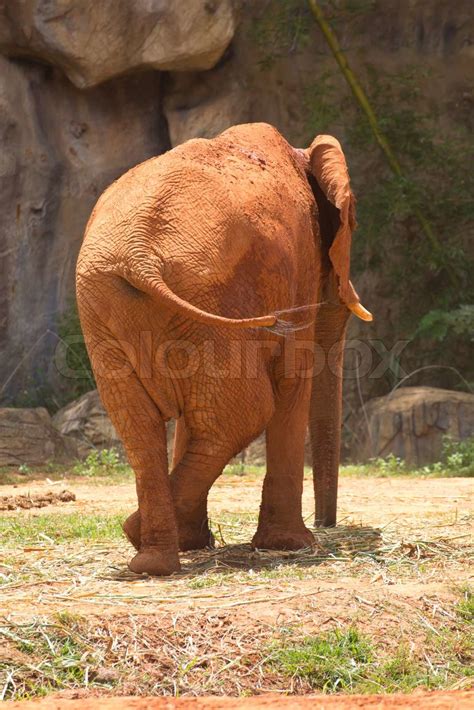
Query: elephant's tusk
(359,311)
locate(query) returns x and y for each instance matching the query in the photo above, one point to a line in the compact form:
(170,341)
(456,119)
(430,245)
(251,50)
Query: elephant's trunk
(326,409)
(326,170)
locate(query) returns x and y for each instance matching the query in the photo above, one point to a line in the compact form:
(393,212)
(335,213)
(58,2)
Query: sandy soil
(378,511)
(432,701)
(35,500)
(393,566)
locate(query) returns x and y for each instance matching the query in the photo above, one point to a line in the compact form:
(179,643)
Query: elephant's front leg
(280,524)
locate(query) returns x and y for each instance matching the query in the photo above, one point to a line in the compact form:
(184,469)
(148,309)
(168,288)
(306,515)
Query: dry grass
(216,653)
(56,559)
(219,626)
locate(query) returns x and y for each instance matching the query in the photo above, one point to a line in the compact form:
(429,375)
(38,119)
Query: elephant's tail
(155,287)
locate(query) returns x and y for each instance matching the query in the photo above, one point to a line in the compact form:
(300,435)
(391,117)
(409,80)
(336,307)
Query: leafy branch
(379,136)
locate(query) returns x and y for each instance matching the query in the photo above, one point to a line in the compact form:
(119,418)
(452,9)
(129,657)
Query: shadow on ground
(341,543)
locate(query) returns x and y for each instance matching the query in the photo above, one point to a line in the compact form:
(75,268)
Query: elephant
(213,288)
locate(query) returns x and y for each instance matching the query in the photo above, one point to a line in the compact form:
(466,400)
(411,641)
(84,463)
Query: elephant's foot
(131,528)
(156,562)
(278,538)
(192,536)
(195,537)
(150,560)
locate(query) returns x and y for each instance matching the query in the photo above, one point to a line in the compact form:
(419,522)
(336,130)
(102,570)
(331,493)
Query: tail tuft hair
(305,316)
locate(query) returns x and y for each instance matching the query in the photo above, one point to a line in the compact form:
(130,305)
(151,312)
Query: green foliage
(389,465)
(457,459)
(283,27)
(439,324)
(103,463)
(458,456)
(280,30)
(431,286)
(320,105)
(77,359)
(329,662)
(438,180)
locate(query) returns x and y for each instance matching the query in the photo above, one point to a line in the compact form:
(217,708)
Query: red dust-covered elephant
(213,288)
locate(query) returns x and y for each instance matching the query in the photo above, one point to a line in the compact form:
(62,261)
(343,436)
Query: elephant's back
(249,170)
(227,218)
(242,243)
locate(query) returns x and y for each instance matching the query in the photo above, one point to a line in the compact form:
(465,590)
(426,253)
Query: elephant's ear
(327,165)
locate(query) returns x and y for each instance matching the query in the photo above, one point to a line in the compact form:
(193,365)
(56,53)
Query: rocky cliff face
(88,89)
(64,138)
(61,147)
(92,42)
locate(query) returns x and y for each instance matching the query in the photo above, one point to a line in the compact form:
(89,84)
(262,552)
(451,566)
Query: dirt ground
(35,500)
(374,510)
(431,701)
(393,566)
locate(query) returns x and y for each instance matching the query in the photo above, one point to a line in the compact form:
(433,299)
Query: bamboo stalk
(381,139)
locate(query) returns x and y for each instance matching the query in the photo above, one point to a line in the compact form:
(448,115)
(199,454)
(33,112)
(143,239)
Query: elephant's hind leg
(191,479)
(202,537)
(131,526)
(280,524)
(142,430)
(195,470)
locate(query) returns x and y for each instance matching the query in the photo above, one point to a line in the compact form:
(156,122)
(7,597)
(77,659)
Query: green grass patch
(48,656)
(465,608)
(329,662)
(347,661)
(58,527)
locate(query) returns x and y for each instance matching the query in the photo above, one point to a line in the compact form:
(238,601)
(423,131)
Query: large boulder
(92,41)
(27,436)
(411,423)
(86,421)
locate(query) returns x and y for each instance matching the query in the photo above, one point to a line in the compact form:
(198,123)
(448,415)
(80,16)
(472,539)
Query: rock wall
(61,146)
(88,89)
(64,139)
